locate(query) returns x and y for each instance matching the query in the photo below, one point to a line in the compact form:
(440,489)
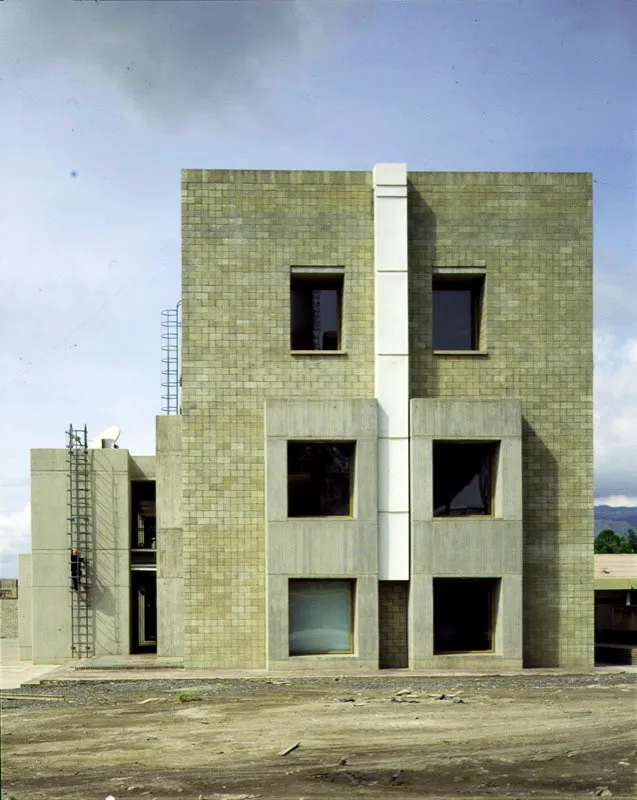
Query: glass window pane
(326,321)
(320,479)
(320,617)
(453,319)
(315,313)
(463,478)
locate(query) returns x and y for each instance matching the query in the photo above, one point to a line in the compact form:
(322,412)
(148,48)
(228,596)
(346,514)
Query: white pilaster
(391,334)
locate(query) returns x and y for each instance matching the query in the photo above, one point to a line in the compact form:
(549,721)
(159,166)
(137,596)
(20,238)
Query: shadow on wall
(422,227)
(541,579)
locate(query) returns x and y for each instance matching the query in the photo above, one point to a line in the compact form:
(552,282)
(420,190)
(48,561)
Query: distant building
(8,608)
(616,608)
(383,456)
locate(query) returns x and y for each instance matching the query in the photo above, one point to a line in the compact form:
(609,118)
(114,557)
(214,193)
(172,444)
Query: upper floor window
(316,302)
(320,479)
(143,517)
(463,478)
(457,310)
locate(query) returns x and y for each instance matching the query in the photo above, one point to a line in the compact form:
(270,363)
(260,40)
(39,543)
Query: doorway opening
(143,611)
(465,611)
(143,563)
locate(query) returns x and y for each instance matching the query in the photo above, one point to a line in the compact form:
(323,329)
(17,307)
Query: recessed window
(464,614)
(457,305)
(463,478)
(143,516)
(316,303)
(321,617)
(320,479)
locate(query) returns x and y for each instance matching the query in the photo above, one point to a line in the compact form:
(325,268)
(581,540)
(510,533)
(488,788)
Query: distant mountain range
(617,518)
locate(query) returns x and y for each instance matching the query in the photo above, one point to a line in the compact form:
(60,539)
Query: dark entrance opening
(465,612)
(143,561)
(143,611)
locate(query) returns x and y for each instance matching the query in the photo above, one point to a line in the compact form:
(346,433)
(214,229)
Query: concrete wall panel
(322,547)
(25,607)
(170,561)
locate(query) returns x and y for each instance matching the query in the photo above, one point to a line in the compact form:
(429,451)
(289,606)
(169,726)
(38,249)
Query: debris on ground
(168,753)
(450,697)
(290,749)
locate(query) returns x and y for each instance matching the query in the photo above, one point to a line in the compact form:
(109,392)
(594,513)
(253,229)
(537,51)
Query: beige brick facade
(533,233)
(393,652)
(243,231)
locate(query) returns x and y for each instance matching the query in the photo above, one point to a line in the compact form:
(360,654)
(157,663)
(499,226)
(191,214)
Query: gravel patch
(101,693)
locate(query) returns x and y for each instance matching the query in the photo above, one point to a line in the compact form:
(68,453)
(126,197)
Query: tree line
(607,541)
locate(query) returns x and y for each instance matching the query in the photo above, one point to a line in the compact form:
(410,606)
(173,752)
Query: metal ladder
(170,324)
(80,541)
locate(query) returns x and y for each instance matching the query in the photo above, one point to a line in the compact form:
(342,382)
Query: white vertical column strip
(391,377)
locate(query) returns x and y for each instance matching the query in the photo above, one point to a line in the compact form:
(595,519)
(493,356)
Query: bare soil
(565,737)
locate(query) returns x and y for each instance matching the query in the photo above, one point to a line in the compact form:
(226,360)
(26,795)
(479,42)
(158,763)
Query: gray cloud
(171,59)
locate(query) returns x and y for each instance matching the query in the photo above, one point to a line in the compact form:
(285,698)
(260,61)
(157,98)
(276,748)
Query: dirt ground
(556,736)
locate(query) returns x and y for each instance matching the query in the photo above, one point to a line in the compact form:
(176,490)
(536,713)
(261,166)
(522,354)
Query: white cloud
(616,501)
(615,416)
(15,537)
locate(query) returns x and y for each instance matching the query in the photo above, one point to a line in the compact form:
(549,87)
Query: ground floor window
(464,614)
(321,615)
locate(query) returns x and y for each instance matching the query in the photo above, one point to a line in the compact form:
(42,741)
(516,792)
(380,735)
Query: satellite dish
(107,438)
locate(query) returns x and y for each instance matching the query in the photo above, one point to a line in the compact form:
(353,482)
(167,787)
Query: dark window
(316,312)
(320,479)
(463,478)
(143,518)
(320,616)
(456,313)
(464,614)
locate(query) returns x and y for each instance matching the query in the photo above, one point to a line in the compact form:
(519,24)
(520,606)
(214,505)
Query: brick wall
(533,233)
(8,617)
(241,233)
(392,624)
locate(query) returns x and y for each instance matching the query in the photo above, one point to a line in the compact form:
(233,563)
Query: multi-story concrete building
(384,451)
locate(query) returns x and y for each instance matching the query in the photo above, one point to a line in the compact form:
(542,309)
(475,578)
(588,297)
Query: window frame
(494,456)
(317,275)
(462,280)
(352,617)
(351,476)
(495,588)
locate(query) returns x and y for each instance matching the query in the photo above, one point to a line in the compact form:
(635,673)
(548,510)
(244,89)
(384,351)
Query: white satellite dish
(107,438)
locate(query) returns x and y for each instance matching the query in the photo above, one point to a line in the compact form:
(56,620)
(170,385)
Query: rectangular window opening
(320,479)
(464,478)
(457,312)
(143,515)
(321,617)
(316,310)
(465,612)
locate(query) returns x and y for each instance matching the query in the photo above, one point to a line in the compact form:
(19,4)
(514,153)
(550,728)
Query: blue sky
(104,102)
